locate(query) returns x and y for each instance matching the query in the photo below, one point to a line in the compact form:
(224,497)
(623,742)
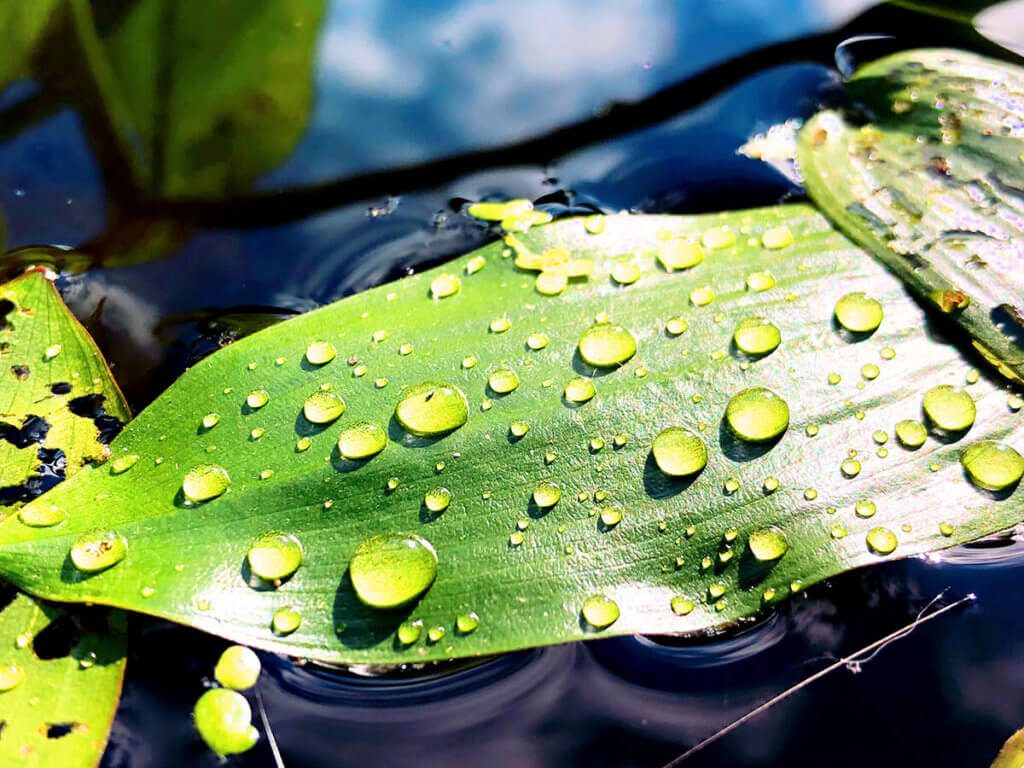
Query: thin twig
(852,662)
(278,761)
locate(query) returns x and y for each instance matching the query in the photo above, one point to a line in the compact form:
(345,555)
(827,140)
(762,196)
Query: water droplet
(409,631)
(359,371)
(676,326)
(211,420)
(681,606)
(518,428)
(379,335)
(757,414)
(949,408)
(437,499)
(361,441)
(859,313)
(500,325)
(625,272)
(274,556)
(205,482)
(516,538)
(777,237)
(946,529)
(257,433)
(911,434)
(123,463)
(620,440)
(768,544)
(834,378)
(679,253)
(810,494)
(992,465)
(595,444)
(303,444)
(323,407)
(237,668)
(98,550)
(551,283)
(865,508)
(546,495)
(870,371)
(701,297)
(880,436)
(466,623)
(811,430)
(223,718)
(579,390)
(536,341)
(611,516)
(678,452)
(1014,402)
(718,237)
(503,381)
(600,611)
(756,336)
(320,352)
(443,286)
(381,382)
(760,281)
(850,468)
(430,409)
(770,485)
(837,531)
(716,589)
(731,485)
(436,634)
(392,569)
(11,676)
(881,540)
(285,620)
(40,515)
(257,399)
(605,345)
(594,224)
(52,351)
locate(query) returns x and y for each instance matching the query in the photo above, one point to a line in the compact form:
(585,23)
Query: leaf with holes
(933,185)
(59,405)
(550,516)
(60,682)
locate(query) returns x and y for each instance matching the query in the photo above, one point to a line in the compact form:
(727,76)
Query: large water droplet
(679,253)
(257,399)
(98,550)
(443,286)
(430,409)
(437,499)
(323,407)
(579,390)
(361,441)
(205,482)
(605,345)
(881,540)
(503,381)
(678,452)
(224,721)
(991,465)
(546,495)
(777,237)
(11,676)
(274,555)
(757,414)
(320,352)
(949,408)
(600,611)
(392,569)
(911,434)
(767,544)
(238,668)
(858,312)
(41,515)
(756,336)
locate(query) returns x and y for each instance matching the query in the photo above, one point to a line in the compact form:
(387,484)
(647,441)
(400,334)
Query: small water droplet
(285,620)
(320,352)
(756,336)
(436,500)
(870,371)
(274,556)
(600,611)
(777,237)
(768,544)
(257,399)
(859,313)
(303,444)
(98,550)
(500,325)
(536,341)
(205,482)
(123,463)
(850,468)
(238,668)
(681,606)
(551,282)
(11,676)
(810,494)
(594,224)
(702,296)
(760,281)
(911,434)
(717,238)
(865,508)
(757,414)
(546,495)
(436,634)
(770,485)
(679,253)
(211,420)
(625,272)
(676,326)
(466,623)
(503,381)
(811,430)
(579,390)
(361,441)
(516,538)
(52,351)
(946,529)
(409,631)
(443,286)
(611,516)
(880,436)
(881,540)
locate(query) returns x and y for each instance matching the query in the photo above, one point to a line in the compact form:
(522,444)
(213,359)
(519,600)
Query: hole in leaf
(59,730)
(60,388)
(6,307)
(91,407)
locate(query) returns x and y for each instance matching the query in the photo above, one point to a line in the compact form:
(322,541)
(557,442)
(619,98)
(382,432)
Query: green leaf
(934,186)
(209,95)
(23,24)
(56,392)
(1012,753)
(60,712)
(67,667)
(187,562)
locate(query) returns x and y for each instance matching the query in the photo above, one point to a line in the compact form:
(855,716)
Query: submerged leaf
(933,185)
(541,509)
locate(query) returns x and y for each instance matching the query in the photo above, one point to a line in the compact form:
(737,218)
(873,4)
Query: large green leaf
(57,400)
(207,96)
(60,712)
(934,186)
(187,562)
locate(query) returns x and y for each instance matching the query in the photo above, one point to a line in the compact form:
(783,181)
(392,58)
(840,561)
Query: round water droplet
(600,611)
(718,237)
(503,381)
(865,508)
(409,631)
(443,286)
(949,408)
(303,444)
(605,345)
(625,272)
(211,420)
(676,326)
(760,281)
(52,351)
(681,606)
(285,620)
(859,313)
(238,668)
(11,676)
(880,436)
(911,434)
(323,407)
(320,352)
(946,529)
(518,428)
(756,336)
(499,211)
(516,538)
(679,253)
(500,325)
(98,550)
(39,515)
(594,224)
(611,516)
(430,409)
(770,485)
(579,390)
(731,485)
(466,623)
(257,399)
(274,555)
(678,452)
(768,544)
(437,499)
(224,721)
(757,414)
(392,569)
(205,482)
(537,341)
(811,430)
(777,237)
(701,297)
(834,378)
(881,540)
(361,441)
(870,372)
(991,465)
(850,468)
(551,282)
(546,495)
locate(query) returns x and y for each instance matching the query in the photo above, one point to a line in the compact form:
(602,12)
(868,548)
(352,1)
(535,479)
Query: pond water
(399,84)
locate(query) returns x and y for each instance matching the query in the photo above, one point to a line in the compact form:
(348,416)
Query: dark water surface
(403,83)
